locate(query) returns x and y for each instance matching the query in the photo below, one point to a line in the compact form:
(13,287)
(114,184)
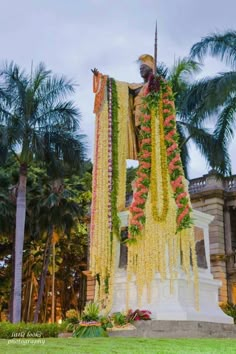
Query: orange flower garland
(142,183)
(174,161)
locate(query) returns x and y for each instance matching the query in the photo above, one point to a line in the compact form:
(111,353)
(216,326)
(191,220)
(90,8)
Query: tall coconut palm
(215,97)
(37,122)
(181,77)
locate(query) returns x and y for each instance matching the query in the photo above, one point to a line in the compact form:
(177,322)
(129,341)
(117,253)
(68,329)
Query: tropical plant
(215,97)
(229,309)
(58,213)
(90,331)
(180,77)
(37,123)
(106,322)
(72,320)
(90,326)
(91,312)
(119,319)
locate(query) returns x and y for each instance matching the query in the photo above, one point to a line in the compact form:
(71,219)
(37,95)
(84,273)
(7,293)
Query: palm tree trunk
(53,281)
(46,257)
(12,279)
(19,243)
(45,310)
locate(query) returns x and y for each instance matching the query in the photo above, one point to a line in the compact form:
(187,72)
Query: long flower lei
(175,167)
(143,181)
(159,105)
(113,161)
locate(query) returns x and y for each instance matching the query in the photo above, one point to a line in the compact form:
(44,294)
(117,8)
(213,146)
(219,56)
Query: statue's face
(145,71)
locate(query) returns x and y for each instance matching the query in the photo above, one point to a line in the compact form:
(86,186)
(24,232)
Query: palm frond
(224,129)
(162,70)
(184,151)
(39,76)
(206,97)
(54,89)
(214,152)
(34,109)
(183,69)
(222,46)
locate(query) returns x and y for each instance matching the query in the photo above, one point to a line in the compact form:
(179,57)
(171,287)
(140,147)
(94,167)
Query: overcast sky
(73,36)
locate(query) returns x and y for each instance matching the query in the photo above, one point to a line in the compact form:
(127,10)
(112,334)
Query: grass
(118,345)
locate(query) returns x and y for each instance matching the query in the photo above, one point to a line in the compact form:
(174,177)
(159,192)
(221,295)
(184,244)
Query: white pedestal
(178,305)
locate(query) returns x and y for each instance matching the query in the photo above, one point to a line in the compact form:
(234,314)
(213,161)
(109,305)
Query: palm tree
(37,123)
(58,213)
(215,96)
(181,76)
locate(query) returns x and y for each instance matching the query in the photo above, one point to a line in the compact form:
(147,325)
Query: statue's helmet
(146,59)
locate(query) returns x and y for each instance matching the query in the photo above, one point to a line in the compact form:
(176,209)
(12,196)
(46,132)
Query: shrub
(106,322)
(28,330)
(72,316)
(72,320)
(229,309)
(119,319)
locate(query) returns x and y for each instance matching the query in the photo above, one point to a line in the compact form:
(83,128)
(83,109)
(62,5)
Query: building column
(228,240)
(228,252)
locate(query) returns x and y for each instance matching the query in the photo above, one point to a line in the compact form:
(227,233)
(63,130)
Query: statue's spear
(155,52)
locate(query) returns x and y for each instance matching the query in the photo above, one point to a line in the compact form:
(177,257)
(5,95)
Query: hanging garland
(175,167)
(163,232)
(142,183)
(159,105)
(156,184)
(110,151)
(104,212)
(113,104)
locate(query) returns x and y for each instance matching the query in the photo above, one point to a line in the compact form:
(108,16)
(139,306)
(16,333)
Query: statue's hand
(95,71)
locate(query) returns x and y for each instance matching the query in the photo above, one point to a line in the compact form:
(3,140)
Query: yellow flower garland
(101,251)
(159,177)
(123,113)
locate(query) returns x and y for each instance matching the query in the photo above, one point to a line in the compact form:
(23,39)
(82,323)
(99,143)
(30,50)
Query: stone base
(176,306)
(178,329)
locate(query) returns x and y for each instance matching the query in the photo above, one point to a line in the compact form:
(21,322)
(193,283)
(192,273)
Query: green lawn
(119,345)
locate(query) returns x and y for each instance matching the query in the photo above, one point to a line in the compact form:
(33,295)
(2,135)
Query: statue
(137,121)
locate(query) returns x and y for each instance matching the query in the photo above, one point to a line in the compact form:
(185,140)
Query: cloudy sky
(73,36)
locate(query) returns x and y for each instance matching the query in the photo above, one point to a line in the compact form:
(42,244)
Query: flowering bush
(72,316)
(138,315)
(72,320)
